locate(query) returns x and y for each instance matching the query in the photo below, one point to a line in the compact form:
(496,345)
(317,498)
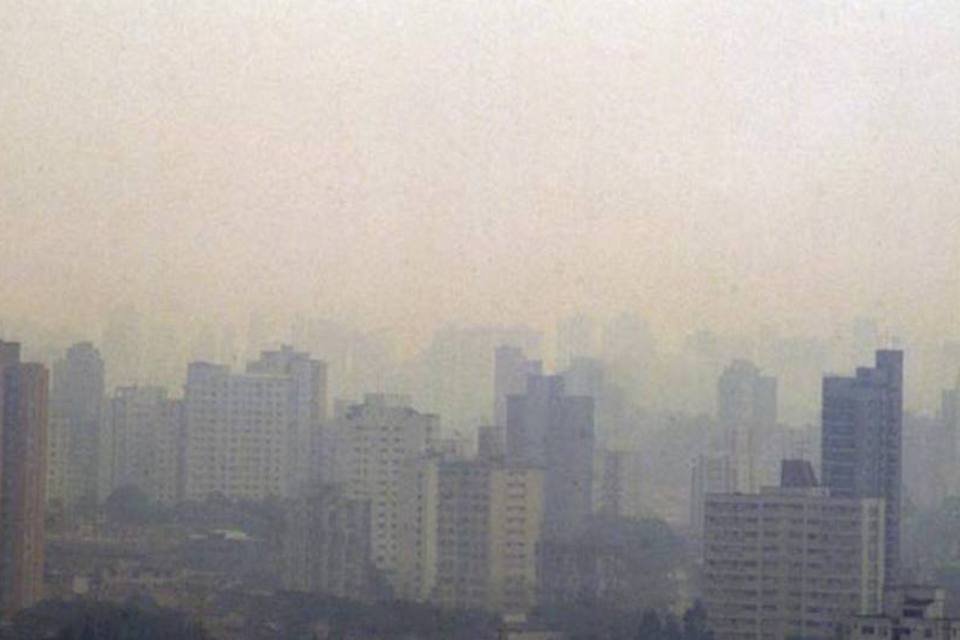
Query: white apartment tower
(254,434)
(369,447)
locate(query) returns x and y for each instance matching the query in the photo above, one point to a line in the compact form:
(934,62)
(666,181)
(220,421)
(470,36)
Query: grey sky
(729,163)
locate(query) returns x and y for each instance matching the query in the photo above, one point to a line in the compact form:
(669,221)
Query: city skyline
(480,320)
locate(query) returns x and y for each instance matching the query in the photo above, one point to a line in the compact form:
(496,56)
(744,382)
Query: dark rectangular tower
(862,442)
(548,429)
(23,433)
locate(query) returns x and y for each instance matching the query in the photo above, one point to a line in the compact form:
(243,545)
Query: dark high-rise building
(548,429)
(862,442)
(77,400)
(23,433)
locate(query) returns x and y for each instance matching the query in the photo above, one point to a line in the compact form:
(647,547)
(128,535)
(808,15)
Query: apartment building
(790,561)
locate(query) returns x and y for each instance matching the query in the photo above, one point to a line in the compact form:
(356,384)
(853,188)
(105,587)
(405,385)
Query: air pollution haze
(407,164)
(480,320)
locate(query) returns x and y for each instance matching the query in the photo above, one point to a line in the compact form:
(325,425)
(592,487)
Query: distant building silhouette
(747,412)
(710,474)
(511,369)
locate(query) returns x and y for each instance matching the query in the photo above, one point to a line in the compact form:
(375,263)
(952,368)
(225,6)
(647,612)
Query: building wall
(144,431)
(77,400)
(306,411)
(911,611)
(370,447)
(862,441)
(516,514)
(548,429)
(511,369)
(463,535)
(790,563)
(236,433)
(24,401)
(419,494)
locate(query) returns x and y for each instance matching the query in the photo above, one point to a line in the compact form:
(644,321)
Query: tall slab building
(257,433)
(549,429)
(76,404)
(367,450)
(861,444)
(23,433)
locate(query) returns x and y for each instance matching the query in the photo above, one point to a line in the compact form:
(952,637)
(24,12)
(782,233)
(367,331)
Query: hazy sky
(728,163)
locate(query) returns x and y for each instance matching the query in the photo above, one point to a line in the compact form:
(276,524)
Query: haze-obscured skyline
(407,164)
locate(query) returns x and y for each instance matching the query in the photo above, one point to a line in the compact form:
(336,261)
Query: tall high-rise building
(548,429)
(143,434)
(23,433)
(470,530)
(589,377)
(257,433)
(235,434)
(306,411)
(746,411)
(368,449)
(790,562)
(76,407)
(254,434)
(861,449)
(511,369)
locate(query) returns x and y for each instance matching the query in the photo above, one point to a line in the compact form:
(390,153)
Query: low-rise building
(326,545)
(910,612)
